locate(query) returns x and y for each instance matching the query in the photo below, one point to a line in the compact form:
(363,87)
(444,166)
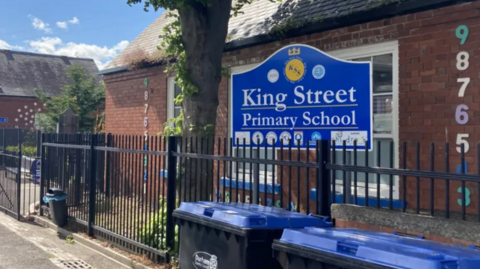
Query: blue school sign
(303,94)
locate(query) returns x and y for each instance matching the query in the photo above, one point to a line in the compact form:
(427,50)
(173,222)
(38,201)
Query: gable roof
(260,19)
(22,72)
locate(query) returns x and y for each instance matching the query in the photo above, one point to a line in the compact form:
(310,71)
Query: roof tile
(258,18)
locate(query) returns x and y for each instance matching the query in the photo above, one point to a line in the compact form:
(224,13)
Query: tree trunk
(204,30)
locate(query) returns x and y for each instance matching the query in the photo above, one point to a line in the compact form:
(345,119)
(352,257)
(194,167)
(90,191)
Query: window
(384,58)
(173,110)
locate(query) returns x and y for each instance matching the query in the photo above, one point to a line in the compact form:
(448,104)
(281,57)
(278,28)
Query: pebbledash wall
(428,64)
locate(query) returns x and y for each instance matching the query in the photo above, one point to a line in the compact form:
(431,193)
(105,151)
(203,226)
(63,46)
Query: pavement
(28,245)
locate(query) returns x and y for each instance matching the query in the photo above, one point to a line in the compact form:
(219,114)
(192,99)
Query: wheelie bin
(233,236)
(333,248)
(57,203)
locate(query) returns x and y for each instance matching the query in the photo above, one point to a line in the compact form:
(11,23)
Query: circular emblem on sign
(285,137)
(298,136)
(316,136)
(318,71)
(257,138)
(271,137)
(273,75)
(294,70)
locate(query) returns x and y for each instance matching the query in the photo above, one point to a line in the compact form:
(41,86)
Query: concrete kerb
(448,228)
(91,244)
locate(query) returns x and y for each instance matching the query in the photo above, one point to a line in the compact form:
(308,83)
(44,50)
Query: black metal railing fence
(124,188)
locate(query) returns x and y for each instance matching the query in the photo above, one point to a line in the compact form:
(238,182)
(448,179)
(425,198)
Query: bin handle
(408,235)
(325,218)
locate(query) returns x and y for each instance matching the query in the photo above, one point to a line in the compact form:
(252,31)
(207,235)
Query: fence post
(323,194)
(92,186)
(78,171)
(19,174)
(107,167)
(4,141)
(171,190)
(42,172)
(38,142)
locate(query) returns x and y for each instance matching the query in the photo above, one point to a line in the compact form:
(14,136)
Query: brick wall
(13,107)
(125,102)
(428,90)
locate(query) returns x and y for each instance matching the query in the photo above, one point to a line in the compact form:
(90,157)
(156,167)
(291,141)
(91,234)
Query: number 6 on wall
(462,139)
(461,115)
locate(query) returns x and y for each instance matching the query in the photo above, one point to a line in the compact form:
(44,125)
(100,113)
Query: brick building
(425,57)
(21,73)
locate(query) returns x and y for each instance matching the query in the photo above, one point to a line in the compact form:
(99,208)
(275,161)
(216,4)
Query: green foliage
(84,96)
(70,240)
(26,150)
(173,127)
(171,45)
(154,233)
(281,28)
(378,3)
(181,4)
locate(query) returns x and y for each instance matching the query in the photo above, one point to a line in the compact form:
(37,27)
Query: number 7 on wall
(466,82)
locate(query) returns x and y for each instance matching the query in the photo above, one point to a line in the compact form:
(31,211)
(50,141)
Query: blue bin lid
(384,249)
(252,216)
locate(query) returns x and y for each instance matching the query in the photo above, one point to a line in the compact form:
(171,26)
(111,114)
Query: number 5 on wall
(462,139)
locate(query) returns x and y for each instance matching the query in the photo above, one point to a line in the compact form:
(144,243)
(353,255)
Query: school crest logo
(295,68)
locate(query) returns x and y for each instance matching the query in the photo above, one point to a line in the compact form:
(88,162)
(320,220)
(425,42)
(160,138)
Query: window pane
(176,111)
(372,159)
(177,90)
(264,172)
(382,73)
(382,114)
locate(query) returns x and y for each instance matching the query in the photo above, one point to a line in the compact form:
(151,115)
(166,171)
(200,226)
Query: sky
(97,29)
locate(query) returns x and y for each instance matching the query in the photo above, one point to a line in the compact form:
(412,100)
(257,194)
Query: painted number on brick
(463,60)
(462,34)
(461,112)
(461,115)
(467,196)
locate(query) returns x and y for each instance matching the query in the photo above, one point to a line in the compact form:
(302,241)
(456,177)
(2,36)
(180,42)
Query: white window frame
(170,99)
(383,48)
(390,47)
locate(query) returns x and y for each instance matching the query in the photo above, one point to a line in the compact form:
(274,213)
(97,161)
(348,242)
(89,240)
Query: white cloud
(62,24)
(54,45)
(75,20)
(5,46)
(40,25)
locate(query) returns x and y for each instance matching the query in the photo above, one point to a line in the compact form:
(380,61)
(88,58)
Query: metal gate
(19,172)
(10,182)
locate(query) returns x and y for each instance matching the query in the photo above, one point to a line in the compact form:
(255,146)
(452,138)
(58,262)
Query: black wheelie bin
(234,236)
(57,203)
